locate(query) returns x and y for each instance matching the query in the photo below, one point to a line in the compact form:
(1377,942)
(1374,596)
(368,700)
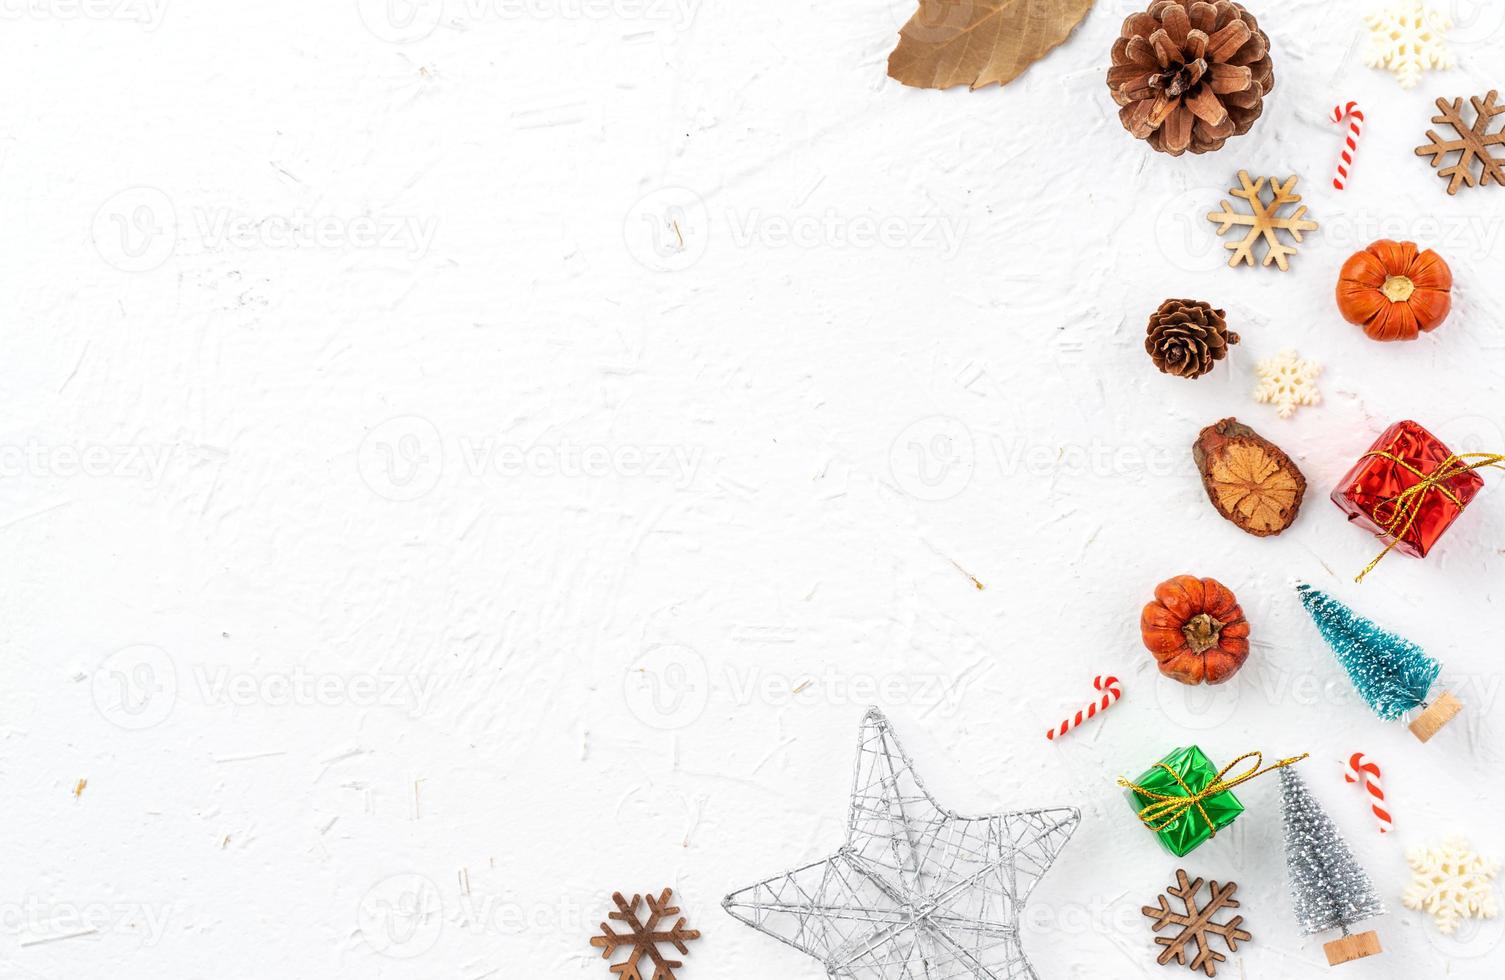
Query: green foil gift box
(1182,800)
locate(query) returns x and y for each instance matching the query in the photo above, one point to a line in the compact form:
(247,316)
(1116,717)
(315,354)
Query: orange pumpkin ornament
(1394,292)
(1196,630)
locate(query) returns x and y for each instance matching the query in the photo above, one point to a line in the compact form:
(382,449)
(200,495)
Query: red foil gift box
(1374,493)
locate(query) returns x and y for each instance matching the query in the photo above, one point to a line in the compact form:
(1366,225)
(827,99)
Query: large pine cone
(1190,74)
(1187,337)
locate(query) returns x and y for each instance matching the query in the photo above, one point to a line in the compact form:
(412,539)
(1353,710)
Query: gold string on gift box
(1166,809)
(1406,505)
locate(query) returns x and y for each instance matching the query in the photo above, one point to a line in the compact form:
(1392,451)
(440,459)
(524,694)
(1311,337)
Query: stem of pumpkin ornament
(1398,289)
(1202,632)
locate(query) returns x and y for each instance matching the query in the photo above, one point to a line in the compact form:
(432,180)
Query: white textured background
(469,567)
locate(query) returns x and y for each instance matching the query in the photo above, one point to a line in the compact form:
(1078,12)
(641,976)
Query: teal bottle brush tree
(1394,675)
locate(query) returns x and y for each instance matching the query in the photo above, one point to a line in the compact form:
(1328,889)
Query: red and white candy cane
(1355,117)
(1111,693)
(1361,770)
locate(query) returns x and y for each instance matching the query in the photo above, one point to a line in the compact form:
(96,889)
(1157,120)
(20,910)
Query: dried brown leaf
(979,42)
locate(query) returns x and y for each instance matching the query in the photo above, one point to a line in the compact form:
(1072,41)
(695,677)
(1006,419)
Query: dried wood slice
(1248,478)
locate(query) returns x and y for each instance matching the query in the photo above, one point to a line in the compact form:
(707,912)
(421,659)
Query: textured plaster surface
(438,448)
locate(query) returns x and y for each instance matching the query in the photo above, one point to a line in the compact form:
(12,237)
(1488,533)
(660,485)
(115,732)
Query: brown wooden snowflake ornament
(1472,145)
(644,938)
(1196,925)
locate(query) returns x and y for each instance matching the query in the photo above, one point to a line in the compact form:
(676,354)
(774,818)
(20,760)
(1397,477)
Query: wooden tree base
(1350,948)
(1430,721)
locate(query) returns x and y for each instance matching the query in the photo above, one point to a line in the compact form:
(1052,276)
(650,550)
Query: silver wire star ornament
(918,892)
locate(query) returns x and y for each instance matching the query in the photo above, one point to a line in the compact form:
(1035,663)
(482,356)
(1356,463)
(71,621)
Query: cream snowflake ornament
(1408,38)
(1288,382)
(1450,882)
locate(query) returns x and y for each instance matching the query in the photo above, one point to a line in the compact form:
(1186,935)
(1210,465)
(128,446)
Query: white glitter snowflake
(1408,38)
(1451,882)
(1287,382)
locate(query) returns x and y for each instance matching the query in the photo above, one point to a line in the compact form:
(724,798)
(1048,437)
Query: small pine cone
(1189,74)
(1186,337)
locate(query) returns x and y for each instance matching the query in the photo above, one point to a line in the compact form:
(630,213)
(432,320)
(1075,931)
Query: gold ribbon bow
(1167,809)
(1405,507)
